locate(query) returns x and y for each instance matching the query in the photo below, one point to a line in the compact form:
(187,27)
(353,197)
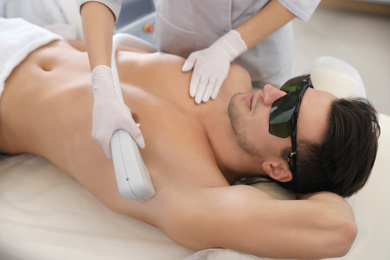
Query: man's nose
(270,94)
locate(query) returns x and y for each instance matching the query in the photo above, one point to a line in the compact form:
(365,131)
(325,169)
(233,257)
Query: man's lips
(249,100)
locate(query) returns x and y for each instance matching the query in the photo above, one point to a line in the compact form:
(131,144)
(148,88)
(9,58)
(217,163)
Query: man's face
(249,116)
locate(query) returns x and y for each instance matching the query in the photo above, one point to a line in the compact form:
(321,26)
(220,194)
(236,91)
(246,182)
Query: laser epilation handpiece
(132,176)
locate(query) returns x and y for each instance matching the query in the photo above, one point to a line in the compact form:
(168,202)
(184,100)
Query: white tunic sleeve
(303,9)
(114,5)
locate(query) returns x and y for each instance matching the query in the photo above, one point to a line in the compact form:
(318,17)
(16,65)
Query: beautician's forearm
(265,22)
(98,26)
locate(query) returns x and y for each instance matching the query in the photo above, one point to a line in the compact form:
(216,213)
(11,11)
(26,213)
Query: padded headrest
(336,76)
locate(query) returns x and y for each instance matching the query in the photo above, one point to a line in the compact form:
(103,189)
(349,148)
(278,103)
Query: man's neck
(231,159)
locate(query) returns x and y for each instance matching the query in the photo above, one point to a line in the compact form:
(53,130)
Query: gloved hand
(211,65)
(109,112)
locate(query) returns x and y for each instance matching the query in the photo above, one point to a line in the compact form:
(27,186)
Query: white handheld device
(132,176)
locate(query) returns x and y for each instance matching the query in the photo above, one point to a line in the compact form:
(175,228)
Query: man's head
(344,160)
(330,156)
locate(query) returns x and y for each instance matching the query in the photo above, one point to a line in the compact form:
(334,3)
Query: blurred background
(357,32)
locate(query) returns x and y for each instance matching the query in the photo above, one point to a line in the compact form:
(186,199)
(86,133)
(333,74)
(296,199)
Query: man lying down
(195,152)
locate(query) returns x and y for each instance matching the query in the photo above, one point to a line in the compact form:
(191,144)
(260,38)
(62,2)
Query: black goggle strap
(292,157)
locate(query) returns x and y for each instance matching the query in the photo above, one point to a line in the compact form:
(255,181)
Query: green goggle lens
(281,120)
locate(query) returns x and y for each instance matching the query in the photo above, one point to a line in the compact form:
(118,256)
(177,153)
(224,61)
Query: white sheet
(45,214)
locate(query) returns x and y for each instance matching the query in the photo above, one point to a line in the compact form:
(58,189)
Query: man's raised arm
(246,219)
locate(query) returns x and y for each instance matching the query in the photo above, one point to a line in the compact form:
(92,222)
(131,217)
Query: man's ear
(277,170)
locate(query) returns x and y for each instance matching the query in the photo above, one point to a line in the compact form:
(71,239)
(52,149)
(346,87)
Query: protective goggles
(284,115)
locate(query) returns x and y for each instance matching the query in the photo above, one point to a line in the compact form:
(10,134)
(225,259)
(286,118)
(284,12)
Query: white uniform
(114,5)
(184,26)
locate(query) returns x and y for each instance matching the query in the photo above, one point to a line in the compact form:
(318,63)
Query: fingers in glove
(106,148)
(104,142)
(194,84)
(189,63)
(201,90)
(209,90)
(218,85)
(135,132)
(139,139)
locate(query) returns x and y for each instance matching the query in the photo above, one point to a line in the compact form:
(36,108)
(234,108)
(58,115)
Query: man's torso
(47,109)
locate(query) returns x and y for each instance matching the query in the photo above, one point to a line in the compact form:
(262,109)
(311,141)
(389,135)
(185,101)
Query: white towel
(221,254)
(19,38)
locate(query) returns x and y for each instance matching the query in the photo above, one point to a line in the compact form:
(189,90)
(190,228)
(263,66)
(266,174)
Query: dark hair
(344,160)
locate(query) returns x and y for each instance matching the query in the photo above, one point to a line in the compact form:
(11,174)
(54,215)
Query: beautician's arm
(242,218)
(98,27)
(271,18)
(211,65)
(78,45)
(109,113)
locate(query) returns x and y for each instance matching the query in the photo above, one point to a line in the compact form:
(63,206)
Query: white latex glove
(211,65)
(110,113)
